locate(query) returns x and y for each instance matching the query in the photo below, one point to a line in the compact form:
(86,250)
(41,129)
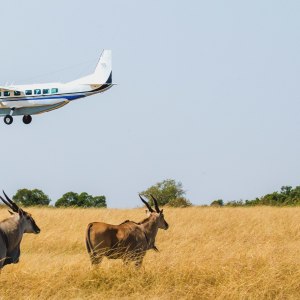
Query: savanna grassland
(207,253)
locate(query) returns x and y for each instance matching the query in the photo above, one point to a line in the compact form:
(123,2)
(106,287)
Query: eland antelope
(128,241)
(12,230)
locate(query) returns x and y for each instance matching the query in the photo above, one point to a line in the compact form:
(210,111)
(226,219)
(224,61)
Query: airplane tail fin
(102,73)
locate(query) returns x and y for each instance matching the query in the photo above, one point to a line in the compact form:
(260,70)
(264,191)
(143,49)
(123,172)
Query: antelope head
(26,219)
(157,212)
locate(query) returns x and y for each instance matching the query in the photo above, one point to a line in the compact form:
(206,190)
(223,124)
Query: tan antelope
(12,230)
(128,241)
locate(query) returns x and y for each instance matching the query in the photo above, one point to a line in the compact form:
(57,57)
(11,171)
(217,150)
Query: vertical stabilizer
(103,71)
(102,74)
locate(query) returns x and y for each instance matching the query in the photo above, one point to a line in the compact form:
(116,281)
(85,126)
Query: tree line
(167,192)
(26,197)
(287,196)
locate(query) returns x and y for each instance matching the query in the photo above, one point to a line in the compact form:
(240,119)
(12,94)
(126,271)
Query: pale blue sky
(208,94)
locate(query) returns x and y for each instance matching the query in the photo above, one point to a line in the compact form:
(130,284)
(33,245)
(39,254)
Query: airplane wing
(31,110)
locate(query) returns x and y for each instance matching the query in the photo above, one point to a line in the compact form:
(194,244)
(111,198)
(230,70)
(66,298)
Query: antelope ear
(20,211)
(10,212)
(161,211)
(147,212)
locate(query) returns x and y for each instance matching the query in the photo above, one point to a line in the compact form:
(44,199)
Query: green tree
(164,191)
(84,200)
(275,198)
(68,199)
(293,197)
(218,202)
(98,201)
(27,197)
(80,200)
(286,190)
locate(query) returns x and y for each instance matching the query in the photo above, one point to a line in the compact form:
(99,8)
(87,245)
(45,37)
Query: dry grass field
(207,253)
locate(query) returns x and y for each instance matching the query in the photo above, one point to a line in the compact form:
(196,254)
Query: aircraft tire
(8,119)
(27,119)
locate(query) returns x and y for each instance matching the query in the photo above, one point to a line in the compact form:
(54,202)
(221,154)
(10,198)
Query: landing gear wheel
(8,119)
(27,119)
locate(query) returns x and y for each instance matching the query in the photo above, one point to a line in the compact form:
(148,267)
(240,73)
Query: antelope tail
(88,241)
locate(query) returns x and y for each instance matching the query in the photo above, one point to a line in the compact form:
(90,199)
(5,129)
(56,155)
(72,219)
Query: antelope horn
(5,202)
(147,204)
(14,206)
(155,204)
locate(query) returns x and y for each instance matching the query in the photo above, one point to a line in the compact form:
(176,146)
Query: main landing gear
(27,119)
(8,119)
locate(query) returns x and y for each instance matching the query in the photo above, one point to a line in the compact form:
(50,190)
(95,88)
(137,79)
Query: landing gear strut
(27,119)
(8,119)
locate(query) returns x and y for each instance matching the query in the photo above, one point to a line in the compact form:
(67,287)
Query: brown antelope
(12,230)
(128,241)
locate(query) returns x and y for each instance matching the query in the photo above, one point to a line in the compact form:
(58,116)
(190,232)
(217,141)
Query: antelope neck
(150,228)
(14,232)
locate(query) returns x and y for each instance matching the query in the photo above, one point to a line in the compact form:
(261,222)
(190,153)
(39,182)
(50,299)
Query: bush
(179,202)
(218,202)
(235,203)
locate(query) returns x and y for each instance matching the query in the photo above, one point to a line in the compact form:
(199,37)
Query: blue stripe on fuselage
(62,96)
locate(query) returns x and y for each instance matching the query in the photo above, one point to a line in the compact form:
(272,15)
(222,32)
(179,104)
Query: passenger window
(54,90)
(0,94)
(17,93)
(45,91)
(28,92)
(6,93)
(37,92)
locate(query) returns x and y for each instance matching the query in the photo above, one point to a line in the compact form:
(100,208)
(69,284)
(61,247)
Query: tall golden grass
(207,253)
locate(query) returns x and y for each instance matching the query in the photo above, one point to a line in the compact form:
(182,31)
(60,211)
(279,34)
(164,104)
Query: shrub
(218,202)
(179,202)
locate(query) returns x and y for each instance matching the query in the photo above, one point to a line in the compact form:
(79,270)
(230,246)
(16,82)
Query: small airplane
(27,100)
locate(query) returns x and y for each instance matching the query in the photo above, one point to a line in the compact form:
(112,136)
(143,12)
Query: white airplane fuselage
(34,99)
